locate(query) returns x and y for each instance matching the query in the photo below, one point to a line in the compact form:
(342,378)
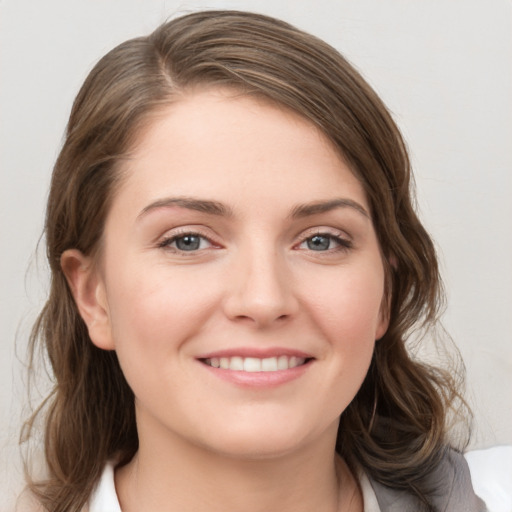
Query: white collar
(104,497)
(369,498)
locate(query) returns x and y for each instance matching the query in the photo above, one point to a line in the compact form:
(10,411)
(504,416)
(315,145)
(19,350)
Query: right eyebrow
(190,203)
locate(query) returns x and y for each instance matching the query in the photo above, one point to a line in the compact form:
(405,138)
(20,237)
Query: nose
(260,290)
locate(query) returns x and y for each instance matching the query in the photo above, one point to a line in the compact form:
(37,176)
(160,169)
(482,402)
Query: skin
(256,283)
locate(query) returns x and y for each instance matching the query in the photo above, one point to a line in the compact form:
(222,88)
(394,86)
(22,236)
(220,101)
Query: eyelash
(343,244)
(167,242)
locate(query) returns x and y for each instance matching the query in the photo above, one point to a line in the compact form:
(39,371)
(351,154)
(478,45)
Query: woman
(236,266)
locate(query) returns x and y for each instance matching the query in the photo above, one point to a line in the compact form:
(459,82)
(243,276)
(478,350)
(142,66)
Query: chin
(265,443)
(257,449)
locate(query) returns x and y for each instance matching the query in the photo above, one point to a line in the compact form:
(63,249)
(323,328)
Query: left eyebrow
(314,208)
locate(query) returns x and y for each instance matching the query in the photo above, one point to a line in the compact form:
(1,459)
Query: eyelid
(343,240)
(325,231)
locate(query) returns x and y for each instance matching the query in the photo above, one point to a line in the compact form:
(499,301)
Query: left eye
(323,242)
(187,242)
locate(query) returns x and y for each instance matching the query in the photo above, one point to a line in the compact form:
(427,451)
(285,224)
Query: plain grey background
(444,69)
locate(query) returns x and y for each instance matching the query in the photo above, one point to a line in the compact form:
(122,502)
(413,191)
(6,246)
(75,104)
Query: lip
(257,380)
(258,352)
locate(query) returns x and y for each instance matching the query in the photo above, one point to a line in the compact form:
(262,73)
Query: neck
(181,476)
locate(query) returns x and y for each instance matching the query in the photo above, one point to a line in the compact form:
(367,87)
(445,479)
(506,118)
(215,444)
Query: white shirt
(104,497)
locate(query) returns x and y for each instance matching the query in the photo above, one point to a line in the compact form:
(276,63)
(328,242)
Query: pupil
(318,243)
(188,243)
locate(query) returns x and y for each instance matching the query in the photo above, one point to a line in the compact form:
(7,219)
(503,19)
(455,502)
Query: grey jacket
(454,490)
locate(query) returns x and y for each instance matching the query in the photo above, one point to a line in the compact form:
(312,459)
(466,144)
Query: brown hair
(395,428)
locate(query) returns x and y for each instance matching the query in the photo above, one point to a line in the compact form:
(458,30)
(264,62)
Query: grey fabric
(454,491)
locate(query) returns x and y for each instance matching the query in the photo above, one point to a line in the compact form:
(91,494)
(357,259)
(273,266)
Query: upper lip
(257,352)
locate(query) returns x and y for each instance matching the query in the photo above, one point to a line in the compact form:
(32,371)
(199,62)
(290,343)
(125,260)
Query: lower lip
(259,379)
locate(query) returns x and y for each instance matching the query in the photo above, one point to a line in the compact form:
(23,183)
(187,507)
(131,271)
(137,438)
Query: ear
(383,321)
(89,292)
(390,266)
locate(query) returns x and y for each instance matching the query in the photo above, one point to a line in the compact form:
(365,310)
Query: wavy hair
(396,426)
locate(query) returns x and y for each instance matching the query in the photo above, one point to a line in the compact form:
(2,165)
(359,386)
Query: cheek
(157,310)
(348,305)
(345,312)
(153,316)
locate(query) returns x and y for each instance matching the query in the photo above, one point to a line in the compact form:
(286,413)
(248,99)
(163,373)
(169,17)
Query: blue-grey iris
(188,243)
(319,243)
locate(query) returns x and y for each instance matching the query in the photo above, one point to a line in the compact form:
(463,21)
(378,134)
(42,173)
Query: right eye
(186,242)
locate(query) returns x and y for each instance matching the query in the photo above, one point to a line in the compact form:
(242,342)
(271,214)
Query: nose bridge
(261,288)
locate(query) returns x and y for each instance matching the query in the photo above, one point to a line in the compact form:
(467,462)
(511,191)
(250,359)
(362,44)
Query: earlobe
(384,316)
(390,265)
(88,290)
(383,324)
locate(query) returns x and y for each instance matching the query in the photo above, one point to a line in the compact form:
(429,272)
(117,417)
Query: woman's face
(241,281)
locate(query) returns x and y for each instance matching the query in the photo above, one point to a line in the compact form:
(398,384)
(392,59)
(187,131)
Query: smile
(254,364)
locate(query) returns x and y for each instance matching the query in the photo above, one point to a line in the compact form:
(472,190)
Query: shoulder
(453,489)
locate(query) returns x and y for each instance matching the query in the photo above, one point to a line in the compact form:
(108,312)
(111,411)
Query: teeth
(282,363)
(269,364)
(236,363)
(254,364)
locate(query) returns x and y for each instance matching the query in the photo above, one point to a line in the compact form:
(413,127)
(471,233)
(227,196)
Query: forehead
(194,112)
(219,140)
